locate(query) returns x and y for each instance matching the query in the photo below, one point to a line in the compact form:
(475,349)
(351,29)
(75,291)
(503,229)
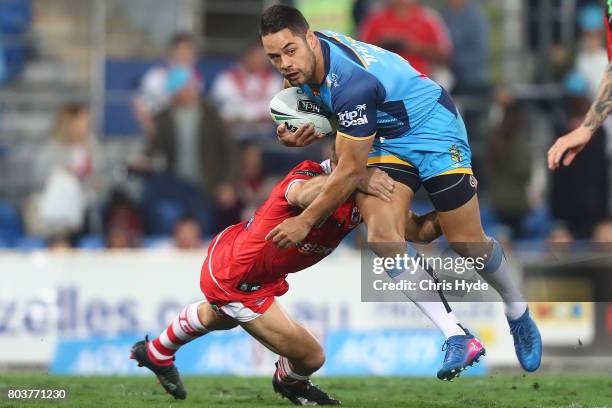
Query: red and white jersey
(241,253)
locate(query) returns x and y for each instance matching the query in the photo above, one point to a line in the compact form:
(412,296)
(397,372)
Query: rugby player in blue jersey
(392,117)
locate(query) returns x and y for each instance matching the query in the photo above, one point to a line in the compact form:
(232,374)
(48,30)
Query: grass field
(511,391)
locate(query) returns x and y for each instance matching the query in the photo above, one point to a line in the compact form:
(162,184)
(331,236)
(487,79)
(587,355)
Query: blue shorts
(435,147)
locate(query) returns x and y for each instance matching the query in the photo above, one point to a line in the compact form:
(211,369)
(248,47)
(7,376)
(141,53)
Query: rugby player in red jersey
(568,146)
(244,272)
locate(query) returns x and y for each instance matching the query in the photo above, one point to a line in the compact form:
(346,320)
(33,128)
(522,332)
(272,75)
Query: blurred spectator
(154,95)
(252,178)
(122,224)
(67,174)
(414,31)
(509,168)
(187,234)
(559,234)
(361,9)
(603,232)
(592,58)
(228,208)
(579,193)
(469,30)
(243,93)
(560,63)
(15,19)
(58,244)
(191,137)
(470,65)
(2,63)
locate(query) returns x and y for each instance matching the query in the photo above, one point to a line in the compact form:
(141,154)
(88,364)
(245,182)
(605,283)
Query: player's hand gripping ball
(300,119)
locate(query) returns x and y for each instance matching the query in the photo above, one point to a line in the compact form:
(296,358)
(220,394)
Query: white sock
(496,273)
(431,302)
(444,319)
(284,371)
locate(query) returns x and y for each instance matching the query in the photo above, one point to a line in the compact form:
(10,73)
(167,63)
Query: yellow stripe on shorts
(456,171)
(387,159)
(359,138)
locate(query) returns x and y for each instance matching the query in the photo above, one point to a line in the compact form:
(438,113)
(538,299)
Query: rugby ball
(292,107)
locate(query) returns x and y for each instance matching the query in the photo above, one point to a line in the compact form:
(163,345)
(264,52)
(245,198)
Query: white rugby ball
(292,107)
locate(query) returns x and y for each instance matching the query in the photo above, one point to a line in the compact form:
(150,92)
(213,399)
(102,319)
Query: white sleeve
(152,91)
(224,92)
(291,185)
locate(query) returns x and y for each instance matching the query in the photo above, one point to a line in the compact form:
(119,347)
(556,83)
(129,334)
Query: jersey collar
(326,59)
(326,166)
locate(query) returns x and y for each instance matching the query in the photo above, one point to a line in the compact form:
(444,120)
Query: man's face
(255,60)
(291,55)
(183,53)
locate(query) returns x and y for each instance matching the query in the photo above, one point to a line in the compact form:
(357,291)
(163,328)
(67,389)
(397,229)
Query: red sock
(184,328)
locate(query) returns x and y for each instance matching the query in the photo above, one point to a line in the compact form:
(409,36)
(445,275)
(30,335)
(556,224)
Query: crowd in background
(210,158)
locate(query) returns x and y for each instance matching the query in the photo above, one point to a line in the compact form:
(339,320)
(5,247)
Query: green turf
(511,391)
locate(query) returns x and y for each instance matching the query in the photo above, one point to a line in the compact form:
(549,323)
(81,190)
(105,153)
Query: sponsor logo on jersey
(355,117)
(307,106)
(310,173)
(249,286)
(332,81)
(313,248)
(473,181)
(456,154)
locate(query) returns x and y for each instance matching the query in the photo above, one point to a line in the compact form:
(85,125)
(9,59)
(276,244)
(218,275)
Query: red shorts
(223,294)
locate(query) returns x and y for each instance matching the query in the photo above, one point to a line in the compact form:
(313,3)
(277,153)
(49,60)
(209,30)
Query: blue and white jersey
(371,90)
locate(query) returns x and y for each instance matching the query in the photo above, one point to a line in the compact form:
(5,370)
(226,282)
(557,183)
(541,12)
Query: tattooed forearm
(602,106)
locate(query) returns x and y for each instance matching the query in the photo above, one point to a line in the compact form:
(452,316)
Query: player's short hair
(278,17)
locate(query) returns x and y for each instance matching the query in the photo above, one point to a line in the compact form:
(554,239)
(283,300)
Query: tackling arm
(375,182)
(419,228)
(302,193)
(352,161)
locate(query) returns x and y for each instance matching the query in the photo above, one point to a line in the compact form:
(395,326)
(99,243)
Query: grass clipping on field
(511,391)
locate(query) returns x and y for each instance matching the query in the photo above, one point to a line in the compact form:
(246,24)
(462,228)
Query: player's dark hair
(278,17)
(181,37)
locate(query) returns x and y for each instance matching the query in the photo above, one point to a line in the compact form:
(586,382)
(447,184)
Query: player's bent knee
(315,360)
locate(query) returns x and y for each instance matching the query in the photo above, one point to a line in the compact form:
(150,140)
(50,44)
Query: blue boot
(527,341)
(461,351)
